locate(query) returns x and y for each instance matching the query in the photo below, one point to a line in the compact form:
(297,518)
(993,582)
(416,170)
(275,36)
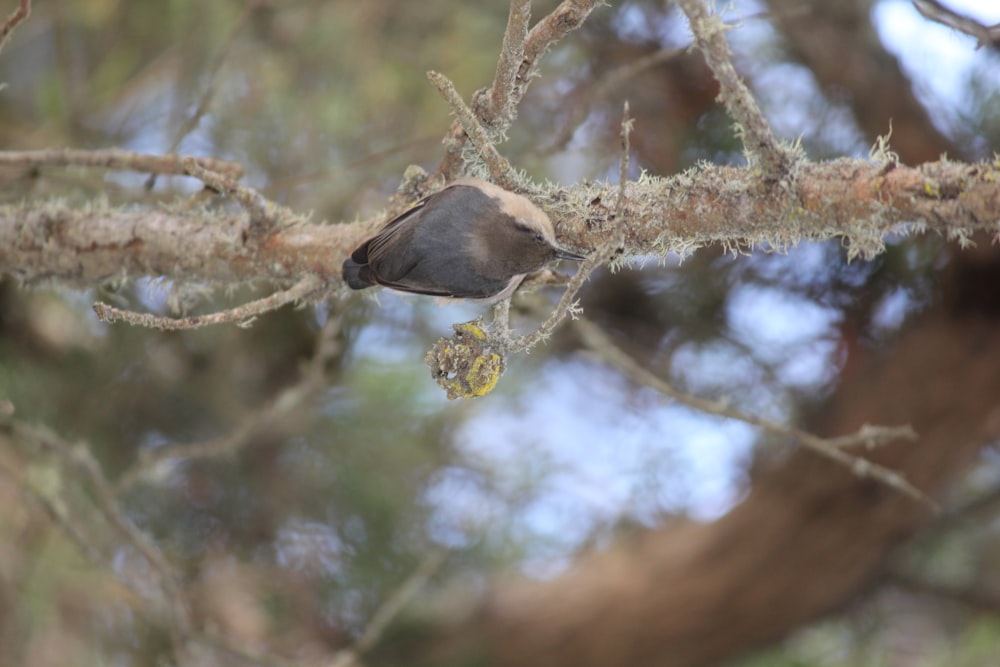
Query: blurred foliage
(293,542)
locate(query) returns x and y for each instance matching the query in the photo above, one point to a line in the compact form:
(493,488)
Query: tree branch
(500,170)
(603,87)
(564,19)
(762,148)
(20,14)
(243,314)
(388,610)
(850,199)
(832,449)
(79,457)
(86,246)
(270,417)
(264,214)
(115,159)
(935,11)
(838,45)
(502,106)
(605,252)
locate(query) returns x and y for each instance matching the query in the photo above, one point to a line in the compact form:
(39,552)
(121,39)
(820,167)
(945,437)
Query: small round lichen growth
(469,364)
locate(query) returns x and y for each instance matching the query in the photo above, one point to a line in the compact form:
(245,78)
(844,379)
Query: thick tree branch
(850,199)
(509,63)
(87,246)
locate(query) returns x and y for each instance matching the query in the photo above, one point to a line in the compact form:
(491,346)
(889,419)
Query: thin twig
(263,418)
(501,318)
(567,305)
(389,609)
(981,508)
(223,644)
(20,14)
(500,170)
(600,343)
(872,436)
(603,88)
(264,214)
(211,72)
(974,596)
(114,159)
(762,147)
(611,245)
(935,11)
(399,599)
(565,18)
(57,511)
(625,134)
(243,314)
(56,506)
(80,457)
(328,343)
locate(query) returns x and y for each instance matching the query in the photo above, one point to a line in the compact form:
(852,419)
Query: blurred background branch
(283,494)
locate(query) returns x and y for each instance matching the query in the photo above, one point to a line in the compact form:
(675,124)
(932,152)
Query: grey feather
(461,242)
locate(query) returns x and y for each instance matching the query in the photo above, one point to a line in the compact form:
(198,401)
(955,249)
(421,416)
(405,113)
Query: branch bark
(763,149)
(83,247)
(856,200)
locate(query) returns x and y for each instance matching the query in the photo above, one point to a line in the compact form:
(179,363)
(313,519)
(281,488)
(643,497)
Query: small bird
(471,240)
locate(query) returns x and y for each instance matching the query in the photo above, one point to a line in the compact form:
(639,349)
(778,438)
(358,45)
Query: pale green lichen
(880,154)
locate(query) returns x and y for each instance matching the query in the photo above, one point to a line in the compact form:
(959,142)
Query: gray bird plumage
(471,240)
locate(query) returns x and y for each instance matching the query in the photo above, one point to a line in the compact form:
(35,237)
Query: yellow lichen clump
(469,364)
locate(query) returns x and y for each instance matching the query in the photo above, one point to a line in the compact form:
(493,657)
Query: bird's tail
(357,276)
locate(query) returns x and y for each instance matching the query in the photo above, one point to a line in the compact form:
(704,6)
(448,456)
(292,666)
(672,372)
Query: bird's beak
(566,254)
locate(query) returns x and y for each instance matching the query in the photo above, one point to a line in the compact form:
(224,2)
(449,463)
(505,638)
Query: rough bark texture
(51,241)
(808,538)
(851,199)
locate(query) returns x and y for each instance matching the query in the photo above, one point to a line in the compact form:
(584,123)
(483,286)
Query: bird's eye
(539,237)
